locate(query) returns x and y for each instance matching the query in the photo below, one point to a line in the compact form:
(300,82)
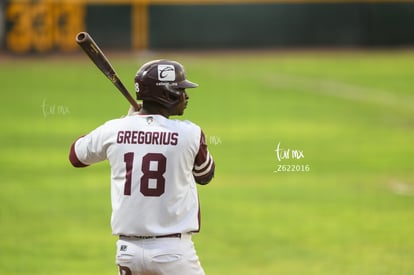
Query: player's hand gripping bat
(90,47)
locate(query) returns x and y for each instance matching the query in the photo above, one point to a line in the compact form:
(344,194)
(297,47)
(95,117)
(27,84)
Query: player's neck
(149,109)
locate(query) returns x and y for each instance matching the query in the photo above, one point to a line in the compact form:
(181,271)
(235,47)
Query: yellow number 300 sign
(43,27)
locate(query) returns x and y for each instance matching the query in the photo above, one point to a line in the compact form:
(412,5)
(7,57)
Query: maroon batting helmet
(161,81)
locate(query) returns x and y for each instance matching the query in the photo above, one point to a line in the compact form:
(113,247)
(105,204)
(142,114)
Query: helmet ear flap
(172,96)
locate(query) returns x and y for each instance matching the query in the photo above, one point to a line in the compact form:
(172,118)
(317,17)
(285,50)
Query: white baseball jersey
(155,164)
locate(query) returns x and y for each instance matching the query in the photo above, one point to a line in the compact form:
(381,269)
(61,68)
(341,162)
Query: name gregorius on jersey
(142,137)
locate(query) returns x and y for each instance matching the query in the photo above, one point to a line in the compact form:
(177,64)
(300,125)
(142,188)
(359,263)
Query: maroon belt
(175,235)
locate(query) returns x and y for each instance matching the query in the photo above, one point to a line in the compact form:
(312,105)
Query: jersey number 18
(152,180)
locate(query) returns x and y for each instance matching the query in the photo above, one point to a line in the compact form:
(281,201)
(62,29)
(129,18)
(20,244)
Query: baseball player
(155,165)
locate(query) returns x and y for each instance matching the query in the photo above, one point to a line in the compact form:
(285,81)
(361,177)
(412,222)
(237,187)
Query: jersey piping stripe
(205,171)
(204,164)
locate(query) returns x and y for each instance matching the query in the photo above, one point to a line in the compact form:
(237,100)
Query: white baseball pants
(172,256)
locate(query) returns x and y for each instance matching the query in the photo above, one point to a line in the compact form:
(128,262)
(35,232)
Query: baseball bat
(92,50)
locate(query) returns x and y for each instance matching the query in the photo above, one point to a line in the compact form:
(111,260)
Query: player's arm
(73,157)
(88,149)
(204,165)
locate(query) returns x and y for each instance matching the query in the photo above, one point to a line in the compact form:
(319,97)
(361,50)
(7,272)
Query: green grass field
(351,115)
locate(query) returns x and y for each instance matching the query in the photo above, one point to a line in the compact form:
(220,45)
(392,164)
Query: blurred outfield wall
(43,26)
